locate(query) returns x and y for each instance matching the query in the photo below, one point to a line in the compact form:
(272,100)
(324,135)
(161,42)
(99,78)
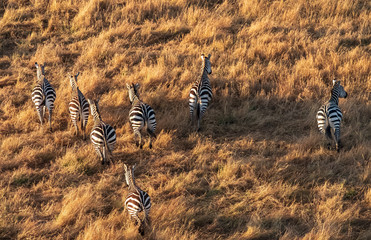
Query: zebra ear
(36,65)
(334,82)
(128,85)
(77,75)
(202,57)
(136,85)
(208,56)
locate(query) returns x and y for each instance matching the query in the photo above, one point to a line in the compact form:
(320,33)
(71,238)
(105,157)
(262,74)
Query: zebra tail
(198,109)
(105,150)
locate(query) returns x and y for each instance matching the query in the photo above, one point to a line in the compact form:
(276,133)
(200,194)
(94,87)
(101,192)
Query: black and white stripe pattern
(201,93)
(140,115)
(43,95)
(137,199)
(103,136)
(329,115)
(78,107)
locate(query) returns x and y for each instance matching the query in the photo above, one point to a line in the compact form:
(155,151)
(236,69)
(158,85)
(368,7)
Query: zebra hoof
(150,146)
(141,146)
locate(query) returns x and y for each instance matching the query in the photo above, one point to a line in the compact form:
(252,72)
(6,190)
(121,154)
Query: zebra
(78,107)
(103,136)
(137,200)
(43,95)
(329,115)
(139,115)
(201,93)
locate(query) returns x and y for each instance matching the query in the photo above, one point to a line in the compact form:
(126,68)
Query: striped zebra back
(201,92)
(43,95)
(50,94)
(329,115)
(102,136)
(44,88)
(79,106)
(38,96)
(141,114)
(137,200)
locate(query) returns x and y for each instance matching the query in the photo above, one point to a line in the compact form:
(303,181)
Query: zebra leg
(40,114)
(141,224)
(83,126)
(138,135)
(104,155)
(198,122)
(146,216)
(83,133)
(100,155)
(337,139)
(76,128)
(191,116)
(43,112)
(328,134)
(152,135)
(137,219)
(50,120)
(199,116)
(141,228)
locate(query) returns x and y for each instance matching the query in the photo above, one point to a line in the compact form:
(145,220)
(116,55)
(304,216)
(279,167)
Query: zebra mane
(335,91)
(75,88)
(203,71)
(133,92)
(95,110)
(130,179)
(40,72)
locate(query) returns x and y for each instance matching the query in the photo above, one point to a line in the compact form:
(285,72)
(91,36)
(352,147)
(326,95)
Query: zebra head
(40,70)
(129,175)
(338,89)
(73,80)
(133,91)
(206,63)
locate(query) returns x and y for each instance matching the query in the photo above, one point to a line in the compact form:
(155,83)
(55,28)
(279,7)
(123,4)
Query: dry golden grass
(259,169)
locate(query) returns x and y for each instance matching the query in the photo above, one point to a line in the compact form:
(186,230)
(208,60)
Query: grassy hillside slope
(259,169)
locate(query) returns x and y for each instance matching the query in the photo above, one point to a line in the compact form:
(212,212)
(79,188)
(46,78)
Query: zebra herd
(103,136)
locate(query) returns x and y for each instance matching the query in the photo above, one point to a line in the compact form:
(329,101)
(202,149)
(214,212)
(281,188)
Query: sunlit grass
(258,169)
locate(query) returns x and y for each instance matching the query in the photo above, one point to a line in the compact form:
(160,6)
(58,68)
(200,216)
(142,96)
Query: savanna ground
(259,169)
